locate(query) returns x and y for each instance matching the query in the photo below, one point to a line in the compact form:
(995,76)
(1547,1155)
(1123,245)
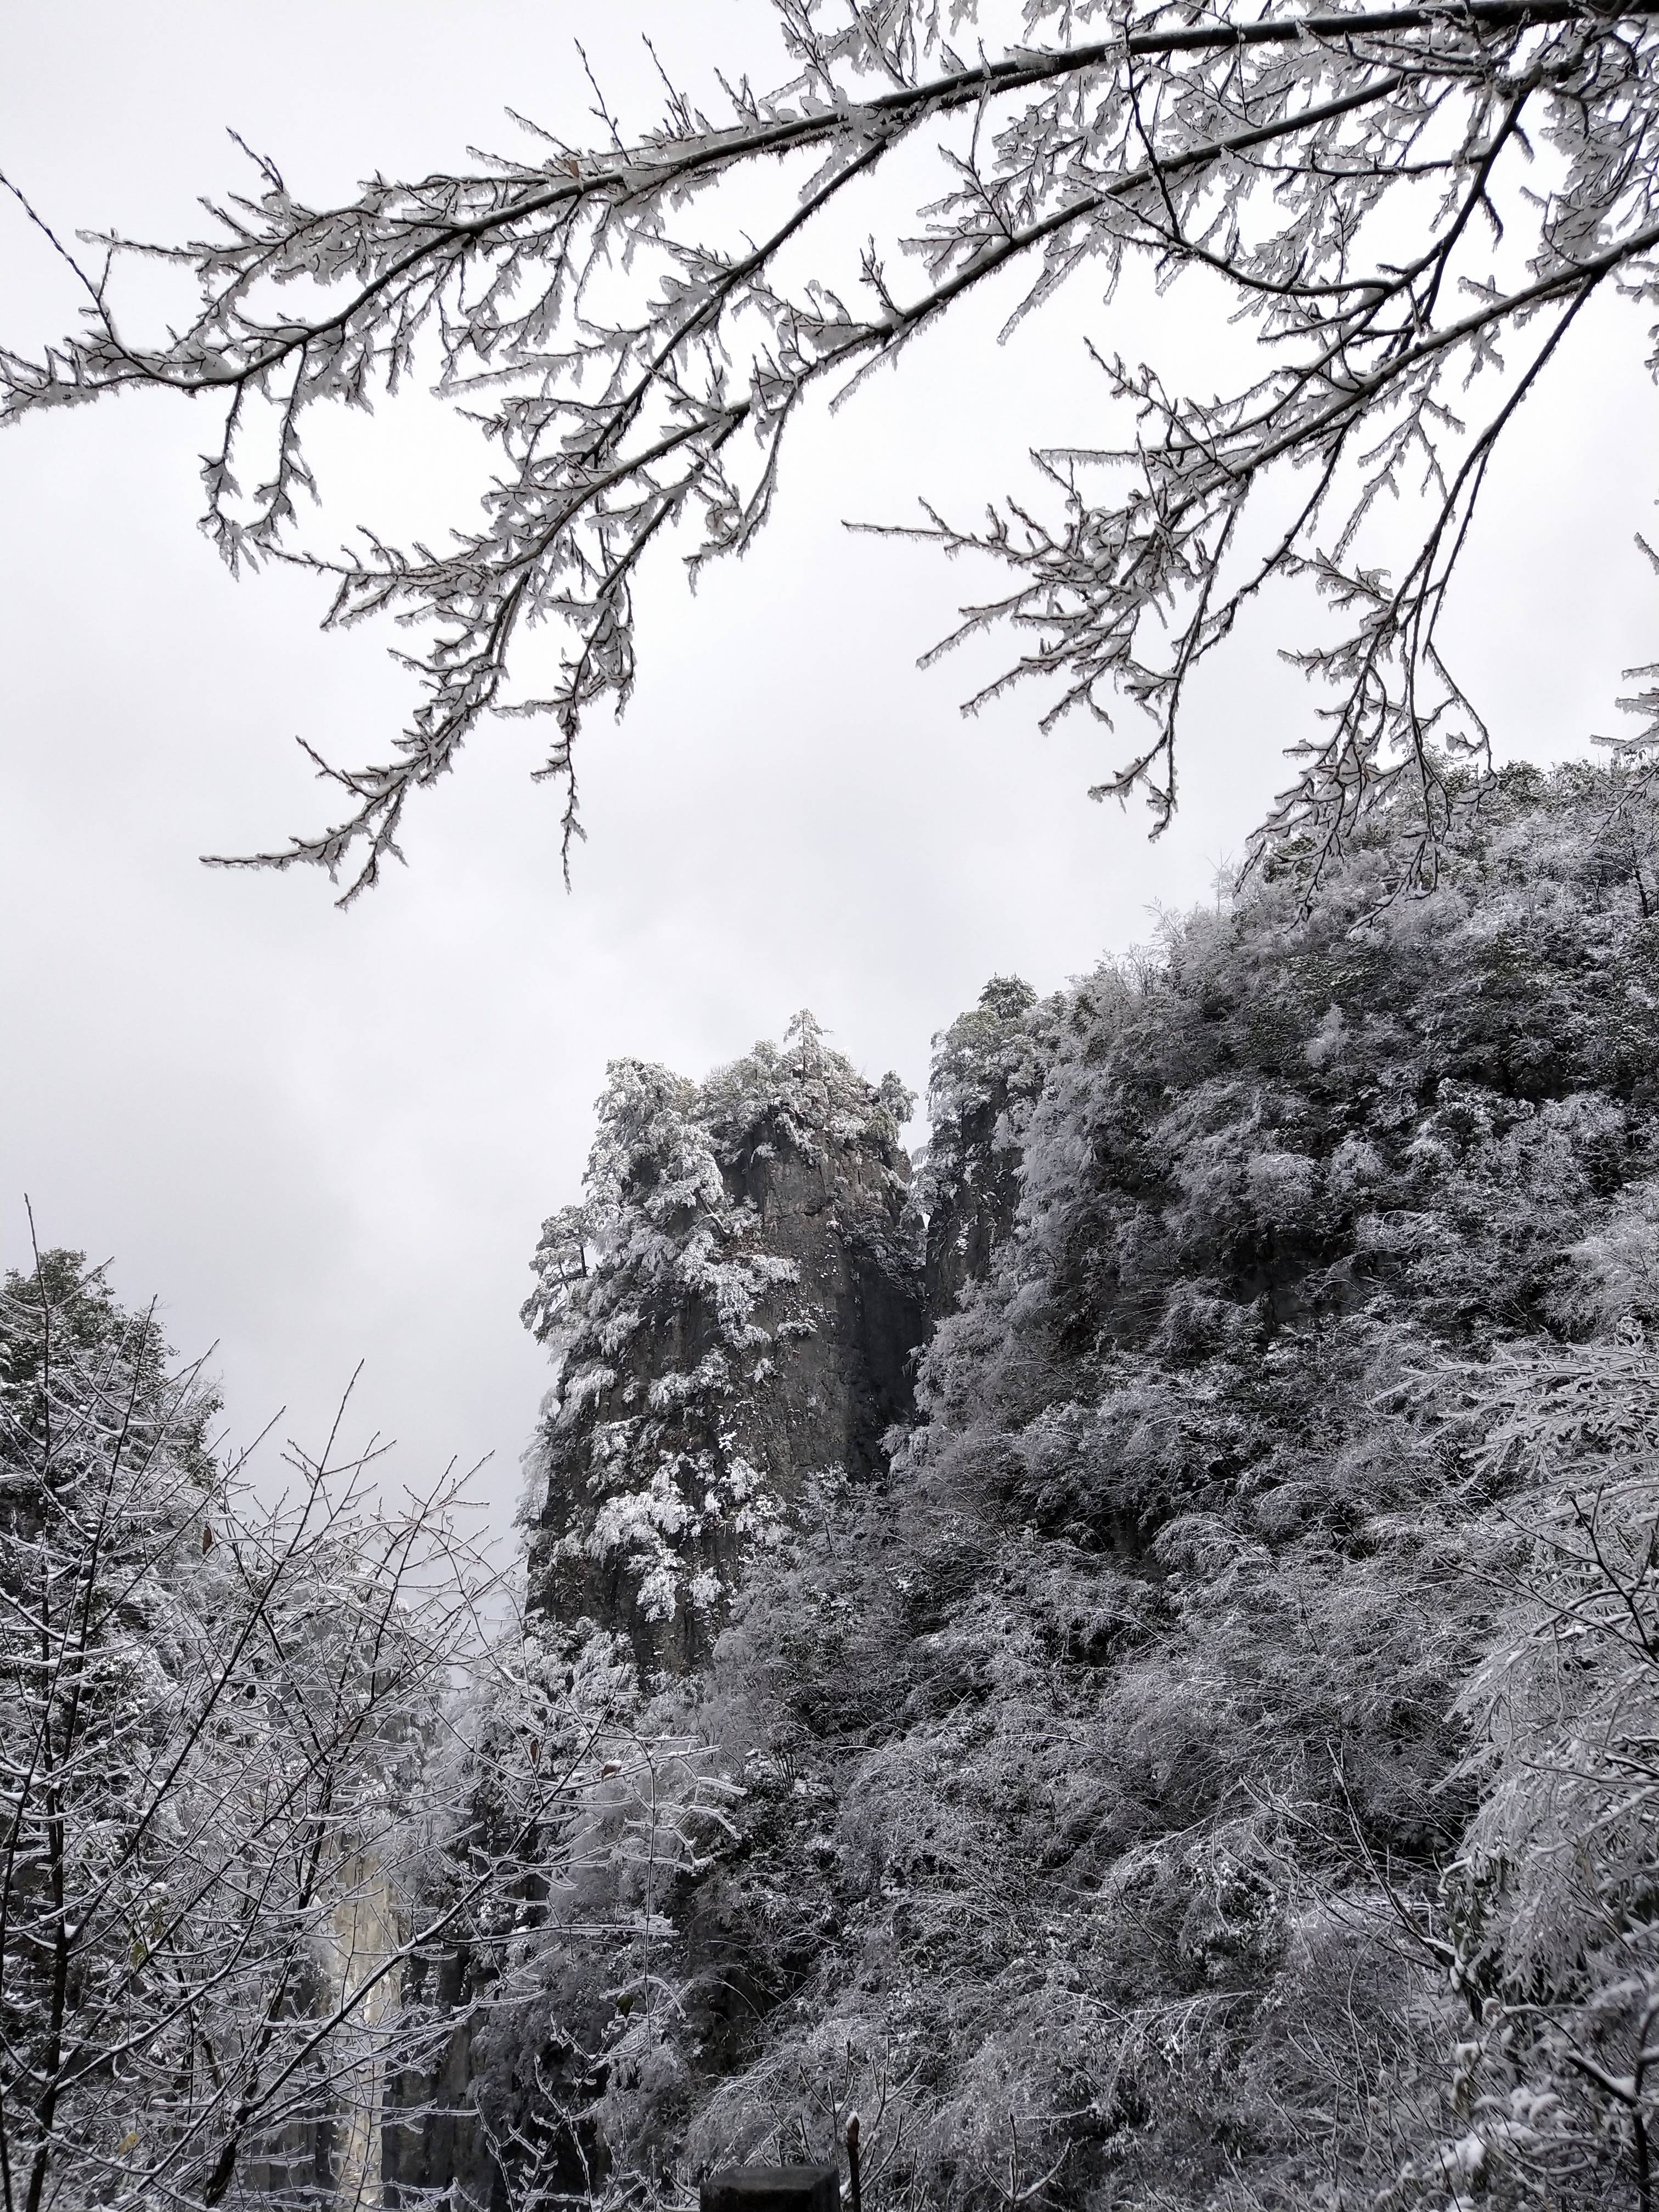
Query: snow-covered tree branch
(248,1811)
(1407,205)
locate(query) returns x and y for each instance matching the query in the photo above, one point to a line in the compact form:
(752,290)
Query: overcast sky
(323,1139)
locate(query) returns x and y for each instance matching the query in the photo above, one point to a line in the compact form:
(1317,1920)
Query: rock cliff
(987,1073)
(1286,1292)
(733,1311)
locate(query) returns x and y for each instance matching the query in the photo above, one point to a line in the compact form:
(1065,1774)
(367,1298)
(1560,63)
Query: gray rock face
(988,1071)
(837,1215)
(433,2145)
(734,1312)
(973,1215)
(746,1322)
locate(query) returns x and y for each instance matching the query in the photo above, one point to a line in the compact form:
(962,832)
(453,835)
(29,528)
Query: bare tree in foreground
(1409,205)
(260,1775)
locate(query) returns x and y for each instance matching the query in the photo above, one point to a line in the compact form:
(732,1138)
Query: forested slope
(1130,1654)
(1214,1764)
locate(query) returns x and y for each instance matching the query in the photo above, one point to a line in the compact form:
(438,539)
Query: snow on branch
(1405,204)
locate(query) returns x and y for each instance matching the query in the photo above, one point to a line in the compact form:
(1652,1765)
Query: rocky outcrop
(848,1323)
(988,1072)
(433,2146)
(733,1313)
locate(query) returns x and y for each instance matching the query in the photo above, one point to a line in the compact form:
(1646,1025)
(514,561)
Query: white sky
(326,1137)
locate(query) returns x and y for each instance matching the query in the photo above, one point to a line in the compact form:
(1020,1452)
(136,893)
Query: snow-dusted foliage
(199,1740)
(696,1308)
(228,1787)
(281,1826)
(1206,1760)
(560,1809)
(1551,1905)
(1411,206)
(1216,1768)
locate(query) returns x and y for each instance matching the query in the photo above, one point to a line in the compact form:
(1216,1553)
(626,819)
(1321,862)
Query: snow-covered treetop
(805,1092)
(989,1062)
(665,1148)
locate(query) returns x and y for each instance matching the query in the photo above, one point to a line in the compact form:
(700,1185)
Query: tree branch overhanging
(637,376)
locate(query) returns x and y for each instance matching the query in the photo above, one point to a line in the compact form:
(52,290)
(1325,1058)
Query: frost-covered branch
(1397,200)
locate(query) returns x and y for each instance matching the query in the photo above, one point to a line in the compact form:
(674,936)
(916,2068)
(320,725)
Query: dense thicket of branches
(278,1819)
(1410,206)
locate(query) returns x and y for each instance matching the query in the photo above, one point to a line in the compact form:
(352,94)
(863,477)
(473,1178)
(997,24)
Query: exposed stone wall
(816,1203)
(838,1216)
(434,2147)
(988,1071)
